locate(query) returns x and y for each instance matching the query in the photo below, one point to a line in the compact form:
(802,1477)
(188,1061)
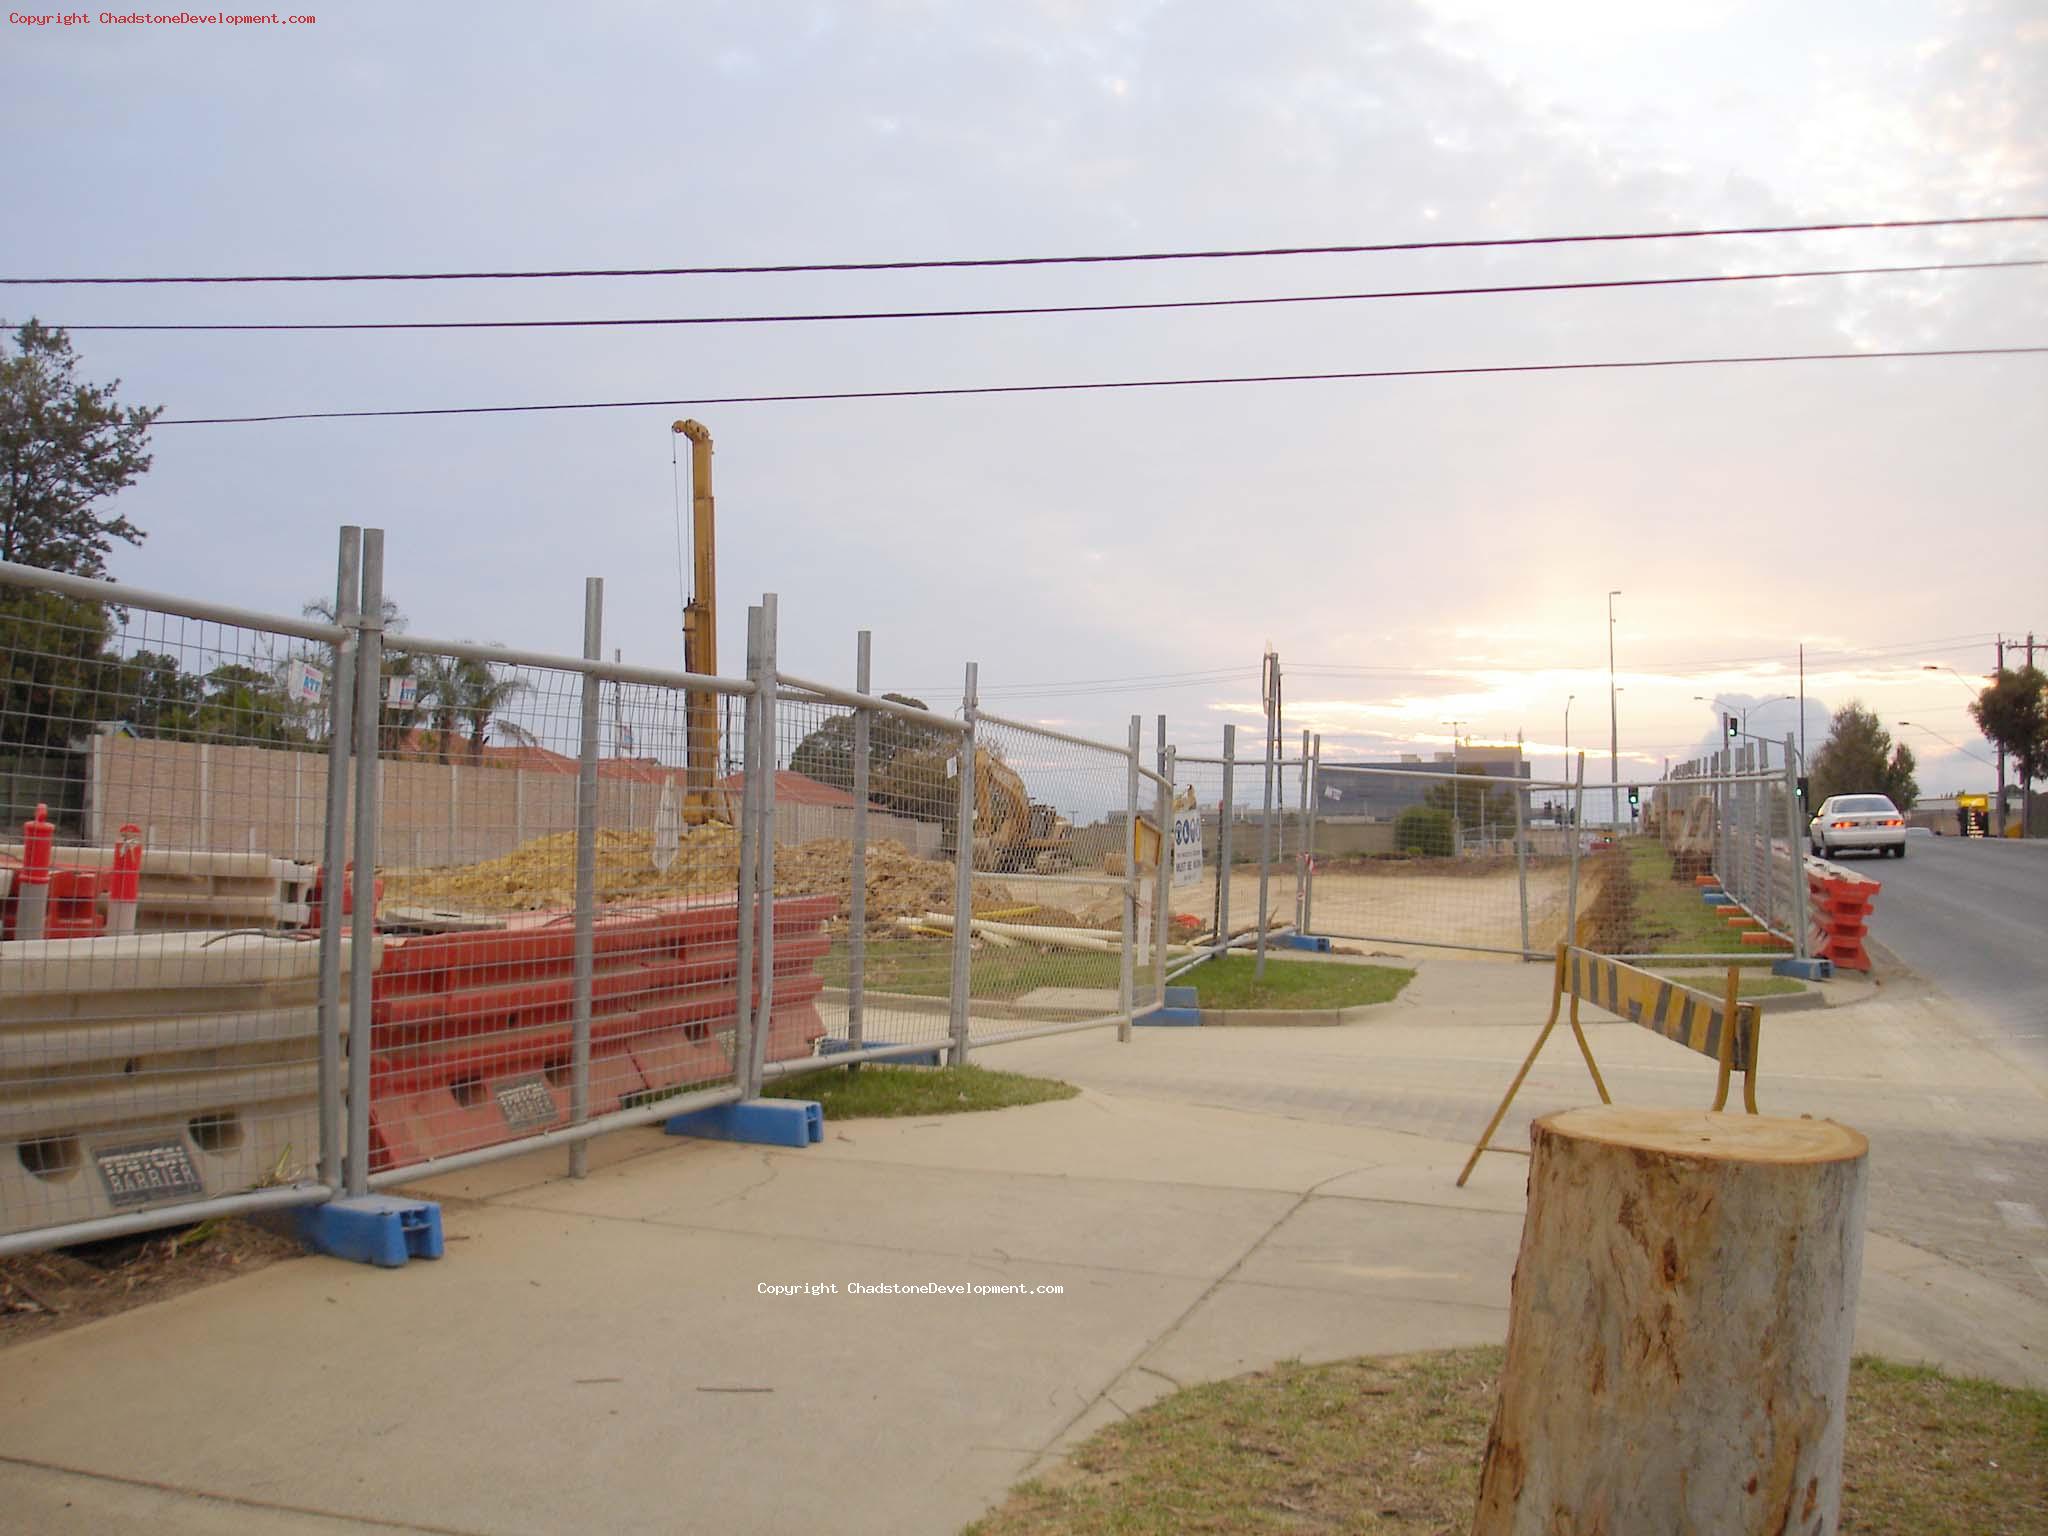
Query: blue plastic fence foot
(1717,898)
(1314,941)
(1183,1008)
(765,1122)
(833,1046)
(384,1230)
(1805,970)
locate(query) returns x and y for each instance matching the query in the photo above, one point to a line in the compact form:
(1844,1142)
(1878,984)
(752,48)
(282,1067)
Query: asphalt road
(1970,916)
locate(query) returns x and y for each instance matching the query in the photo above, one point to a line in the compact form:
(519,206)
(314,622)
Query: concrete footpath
(599,1355)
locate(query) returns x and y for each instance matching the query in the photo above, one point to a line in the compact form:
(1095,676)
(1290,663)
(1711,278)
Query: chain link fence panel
(161,970)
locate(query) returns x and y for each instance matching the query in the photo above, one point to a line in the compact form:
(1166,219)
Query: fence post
(764,945)
(1266,821)
(1162,885)
(1578,820)
(857,899)
(586,877)
(1522,858)
(1301,844)
(1313,789)
(1795,846)
(963,873)
(334,855)
(750,848)
(1127,969)
(363,926)
(1224,818)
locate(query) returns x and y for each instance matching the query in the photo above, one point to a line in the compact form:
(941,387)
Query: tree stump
(1679,1340)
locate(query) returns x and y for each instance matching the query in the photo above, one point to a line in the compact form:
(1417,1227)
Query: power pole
(1613,723)
(1998,804)
(2026,786)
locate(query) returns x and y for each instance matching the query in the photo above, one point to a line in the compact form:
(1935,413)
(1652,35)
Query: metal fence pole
(1522,857)
(857,896)
(1225,817)
(1722,806)
(585,961)
(963,874)
(764,945)
(1313,789)
(1301,842)
(1795,846)
(334,855)
(363,927)
(744,897)
(1162,885)
(1266,821)
(1127,970)
(1578,820)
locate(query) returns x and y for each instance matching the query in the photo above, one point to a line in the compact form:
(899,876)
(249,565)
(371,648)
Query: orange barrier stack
(471,1033)
(1839,903)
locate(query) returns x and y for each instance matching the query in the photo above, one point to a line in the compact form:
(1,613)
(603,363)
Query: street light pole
(1613,722)
(1568,735)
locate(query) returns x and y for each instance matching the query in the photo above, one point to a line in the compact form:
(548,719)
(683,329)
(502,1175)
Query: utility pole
(2026,787)
(1998,804)
(1802,707)
(1613,723)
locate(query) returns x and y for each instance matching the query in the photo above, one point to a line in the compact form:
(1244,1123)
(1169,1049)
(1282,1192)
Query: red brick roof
(796,788)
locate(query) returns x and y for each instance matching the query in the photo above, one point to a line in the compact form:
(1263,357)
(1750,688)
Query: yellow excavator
(1013,832)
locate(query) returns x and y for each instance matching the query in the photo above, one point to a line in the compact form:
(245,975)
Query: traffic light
(1728,723)
(1802,789)
(1635,797)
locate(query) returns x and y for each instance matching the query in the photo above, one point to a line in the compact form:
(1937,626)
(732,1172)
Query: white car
(1846,822)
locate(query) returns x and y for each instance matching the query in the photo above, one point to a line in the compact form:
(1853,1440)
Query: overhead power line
(1097,385)
(778,268)
(1048,309)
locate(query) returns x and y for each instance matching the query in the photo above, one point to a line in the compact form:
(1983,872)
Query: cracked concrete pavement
(600,1354)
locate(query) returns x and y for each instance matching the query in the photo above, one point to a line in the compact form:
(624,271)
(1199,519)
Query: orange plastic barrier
(1839,904)
(471,1033)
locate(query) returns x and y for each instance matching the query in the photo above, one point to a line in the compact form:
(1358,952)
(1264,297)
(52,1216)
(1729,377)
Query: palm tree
(440,700)
(484,691)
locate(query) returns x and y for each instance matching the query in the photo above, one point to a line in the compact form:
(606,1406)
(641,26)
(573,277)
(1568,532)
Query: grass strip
(878,1091)
(1394,1445)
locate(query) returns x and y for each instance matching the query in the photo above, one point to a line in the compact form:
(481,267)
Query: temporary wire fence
(162,1035)
(1443,857)
(326,907)
(1732,823)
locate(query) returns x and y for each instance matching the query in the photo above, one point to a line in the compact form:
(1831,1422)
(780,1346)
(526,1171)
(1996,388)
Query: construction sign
(1187,846)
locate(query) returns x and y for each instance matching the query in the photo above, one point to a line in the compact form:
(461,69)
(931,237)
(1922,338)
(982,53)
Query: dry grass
(43,1293)
(1394,1445)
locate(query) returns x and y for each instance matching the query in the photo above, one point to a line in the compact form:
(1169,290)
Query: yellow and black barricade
(1721,1028)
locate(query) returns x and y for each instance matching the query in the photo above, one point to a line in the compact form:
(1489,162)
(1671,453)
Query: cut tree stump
(1679,1339)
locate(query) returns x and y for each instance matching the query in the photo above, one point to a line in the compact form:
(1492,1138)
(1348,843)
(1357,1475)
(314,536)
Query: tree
(1473,805)
(2013,715)
(1858,758)
(54,684)
(157,698)
(249,706)
(64,447)
(456,691)
(394,721)
(826,755)
(485,693)
(1425,830)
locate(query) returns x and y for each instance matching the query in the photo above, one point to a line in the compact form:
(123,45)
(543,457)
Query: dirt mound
(542,874)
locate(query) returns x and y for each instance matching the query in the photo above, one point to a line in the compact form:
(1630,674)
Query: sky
(1429,556)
